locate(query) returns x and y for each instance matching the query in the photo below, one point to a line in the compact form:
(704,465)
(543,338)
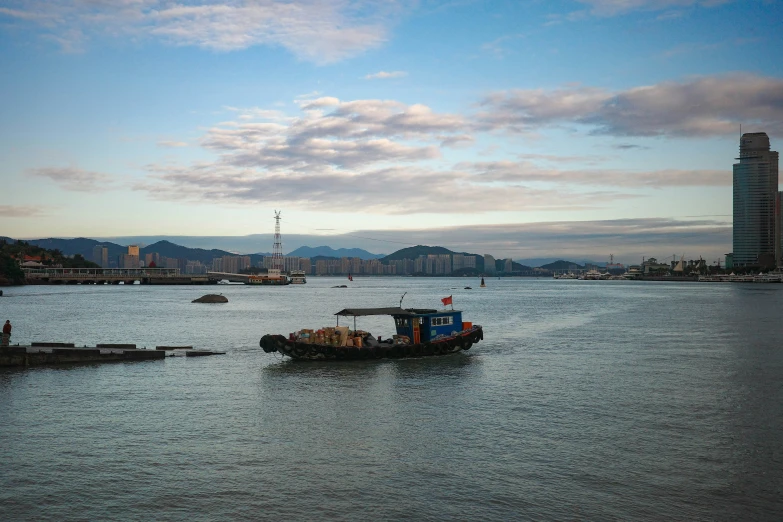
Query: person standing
(6,333)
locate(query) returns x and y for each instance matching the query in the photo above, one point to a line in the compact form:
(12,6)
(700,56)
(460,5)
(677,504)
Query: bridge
(114,276)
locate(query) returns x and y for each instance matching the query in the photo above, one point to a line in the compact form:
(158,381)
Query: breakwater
(42,354)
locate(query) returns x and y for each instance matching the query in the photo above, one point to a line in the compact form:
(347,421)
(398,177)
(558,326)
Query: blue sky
(518,128)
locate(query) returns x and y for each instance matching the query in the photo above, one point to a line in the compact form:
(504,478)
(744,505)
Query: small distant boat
(350,277)
(273,277)
(483,285)
(468,288)
(340,286)
(298,277)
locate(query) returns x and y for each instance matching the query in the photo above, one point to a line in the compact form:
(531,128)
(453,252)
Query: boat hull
(323,352)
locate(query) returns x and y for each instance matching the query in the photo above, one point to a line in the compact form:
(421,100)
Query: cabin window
(440,321)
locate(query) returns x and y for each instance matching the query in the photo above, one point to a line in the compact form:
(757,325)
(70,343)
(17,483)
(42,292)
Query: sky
(519,128)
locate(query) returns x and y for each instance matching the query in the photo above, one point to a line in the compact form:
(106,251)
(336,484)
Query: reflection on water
(588,400)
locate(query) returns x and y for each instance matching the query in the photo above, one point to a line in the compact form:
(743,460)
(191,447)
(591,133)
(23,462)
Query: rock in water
(211,298)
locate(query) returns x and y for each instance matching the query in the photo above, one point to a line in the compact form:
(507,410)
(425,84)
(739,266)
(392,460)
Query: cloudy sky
(519,128)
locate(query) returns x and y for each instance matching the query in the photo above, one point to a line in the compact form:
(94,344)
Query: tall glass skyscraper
(756,213)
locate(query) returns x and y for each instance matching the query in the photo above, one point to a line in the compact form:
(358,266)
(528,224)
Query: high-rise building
(100,255)
(489,264)
(779,236)
(756,217)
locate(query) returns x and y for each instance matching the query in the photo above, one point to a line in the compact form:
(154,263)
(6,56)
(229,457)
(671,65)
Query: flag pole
(452,301)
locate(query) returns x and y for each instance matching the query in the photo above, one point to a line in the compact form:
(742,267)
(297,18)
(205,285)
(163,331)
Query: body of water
(587,400)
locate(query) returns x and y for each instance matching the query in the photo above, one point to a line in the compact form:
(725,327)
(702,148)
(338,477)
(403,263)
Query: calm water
(587,400)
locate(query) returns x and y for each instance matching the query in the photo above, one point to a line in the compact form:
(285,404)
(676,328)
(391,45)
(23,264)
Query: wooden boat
(420,333)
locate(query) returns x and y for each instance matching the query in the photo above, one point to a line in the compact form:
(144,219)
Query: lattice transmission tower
(277,248)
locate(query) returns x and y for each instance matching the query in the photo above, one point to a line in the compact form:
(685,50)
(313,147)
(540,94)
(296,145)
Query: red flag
(446,301)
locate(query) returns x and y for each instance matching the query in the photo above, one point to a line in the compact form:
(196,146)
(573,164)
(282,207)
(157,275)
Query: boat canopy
(358,312)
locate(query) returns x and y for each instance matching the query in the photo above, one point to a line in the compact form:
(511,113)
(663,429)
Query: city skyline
(521,129)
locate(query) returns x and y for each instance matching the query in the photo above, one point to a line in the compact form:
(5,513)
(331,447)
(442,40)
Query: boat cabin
(420,325)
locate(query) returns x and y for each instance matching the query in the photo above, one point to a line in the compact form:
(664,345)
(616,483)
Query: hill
(416,251)
(80,245)
(169,249)
(325,251)
(562,265)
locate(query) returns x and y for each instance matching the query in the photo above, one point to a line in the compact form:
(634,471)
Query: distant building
(133,250)
(652,266)
(729,261)
(152,257)
(489,264)
(128,261)
(756,216)
(508,266)
(100,256)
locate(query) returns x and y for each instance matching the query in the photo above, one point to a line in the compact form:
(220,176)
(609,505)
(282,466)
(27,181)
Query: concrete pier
(39,354)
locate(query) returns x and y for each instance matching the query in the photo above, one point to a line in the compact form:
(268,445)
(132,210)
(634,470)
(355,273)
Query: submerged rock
(211,298)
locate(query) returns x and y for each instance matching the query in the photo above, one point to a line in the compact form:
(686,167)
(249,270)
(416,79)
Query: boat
(420,333)
(297,277)
(483,285)
(273,277)
(350,277)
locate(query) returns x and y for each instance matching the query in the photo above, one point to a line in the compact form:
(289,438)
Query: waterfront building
(508,266)
(152,257)
(217,264)
(779,235)
(133,250)
(729,261)
(100,256)
(128,261)
(756,217)
(489,264)
(652,266)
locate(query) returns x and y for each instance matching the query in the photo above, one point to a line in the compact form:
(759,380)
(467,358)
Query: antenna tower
(277,249)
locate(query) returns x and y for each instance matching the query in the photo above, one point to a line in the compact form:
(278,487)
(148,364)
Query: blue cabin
(421,326)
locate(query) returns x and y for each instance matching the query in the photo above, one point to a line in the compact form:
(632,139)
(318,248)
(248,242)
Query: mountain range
(166,248)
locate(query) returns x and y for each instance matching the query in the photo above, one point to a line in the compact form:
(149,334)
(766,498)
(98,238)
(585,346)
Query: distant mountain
(79,245)
(562,265)
(325,251)
(416,251)
(424,250)
(169,249)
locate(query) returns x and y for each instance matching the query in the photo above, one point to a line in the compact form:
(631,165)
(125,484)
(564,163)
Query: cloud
(628,239)
(172,144)
(321,31)
(74,179)
(332,133)
(619,7)
(629,146)
(697,107)
(511,172)
(20,211)
(383,75)
(393,190)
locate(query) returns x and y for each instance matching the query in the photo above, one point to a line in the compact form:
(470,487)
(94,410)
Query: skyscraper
(756,221)
(100,255)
